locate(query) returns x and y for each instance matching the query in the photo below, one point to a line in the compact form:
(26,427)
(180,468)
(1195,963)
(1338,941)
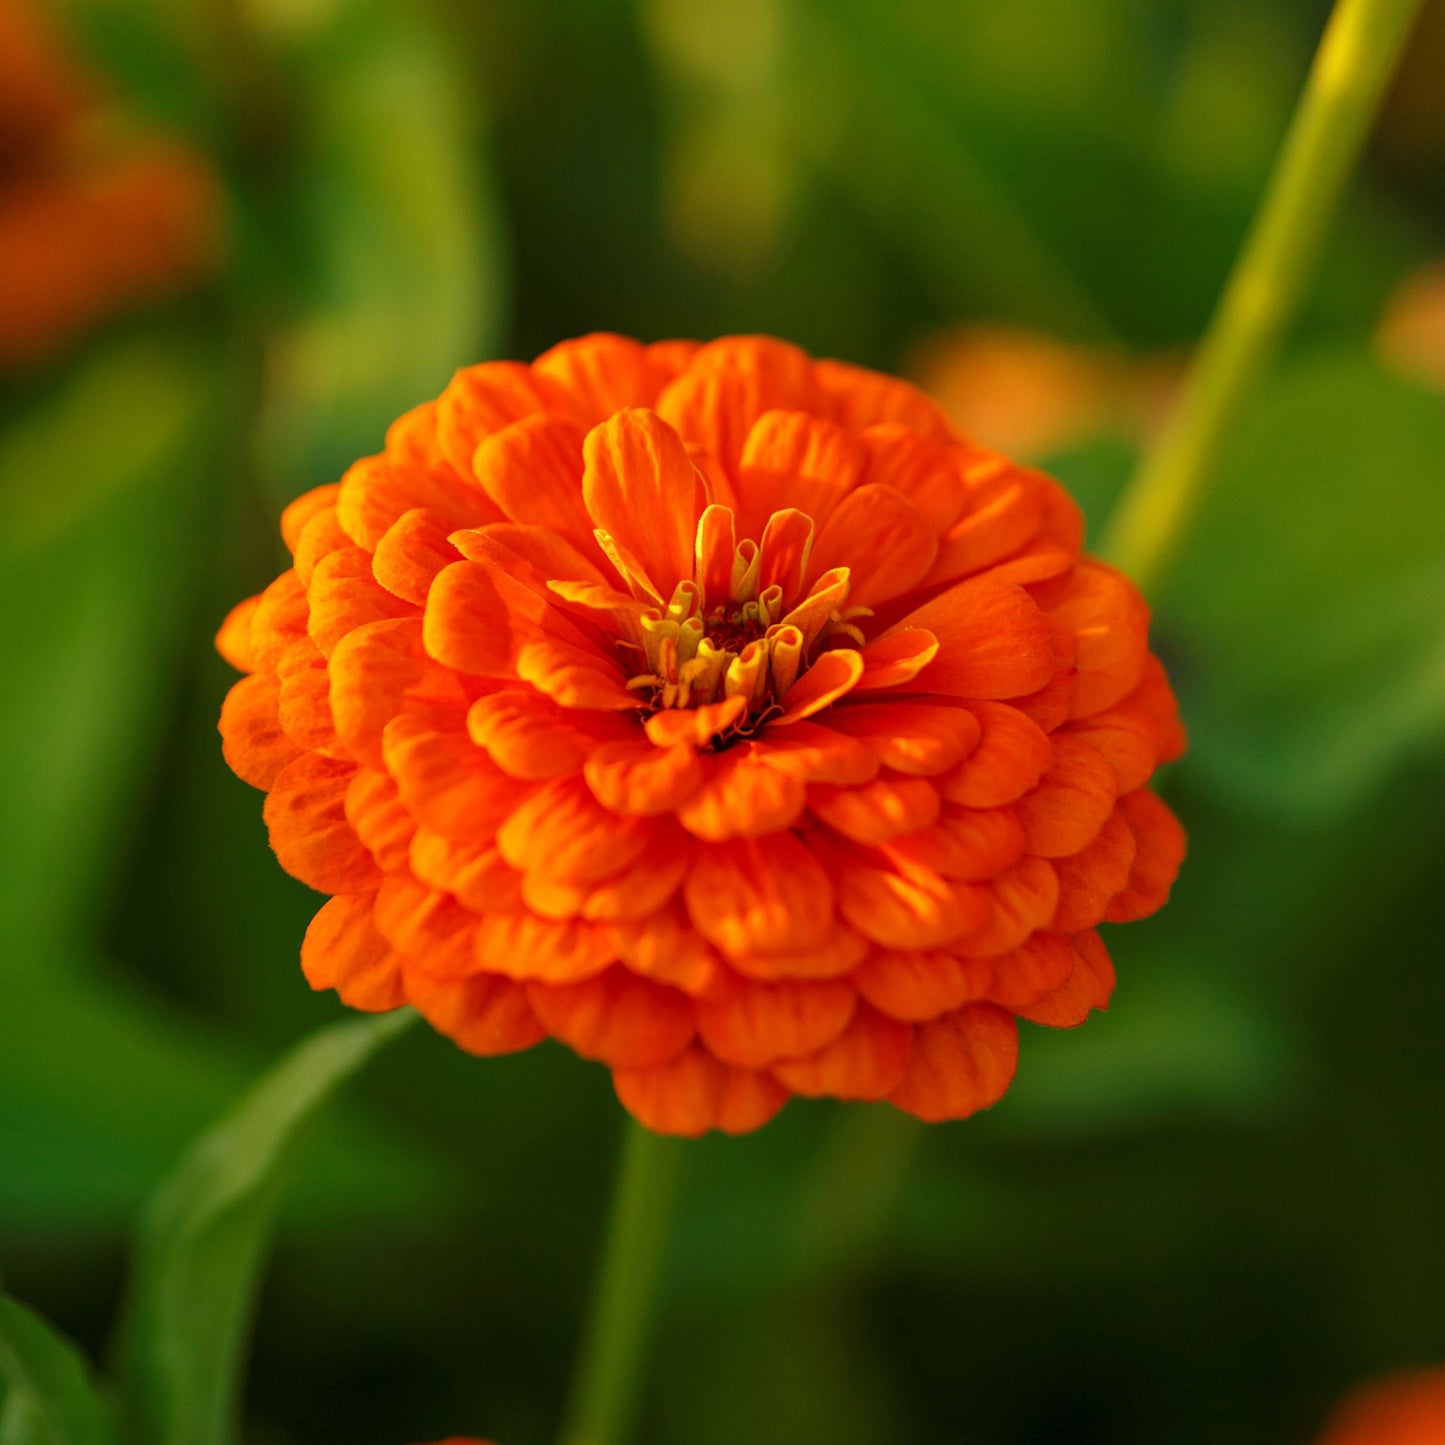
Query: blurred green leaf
(202,1243)
(107,486)
(84,1143)
(1307,609)
(50,1399)
(389,204)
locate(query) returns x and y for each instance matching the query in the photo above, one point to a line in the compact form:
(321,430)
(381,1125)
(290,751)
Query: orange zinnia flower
(1407,1409)
(717,711)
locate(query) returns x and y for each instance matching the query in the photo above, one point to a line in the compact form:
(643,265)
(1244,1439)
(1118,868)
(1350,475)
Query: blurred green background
(1196,1220)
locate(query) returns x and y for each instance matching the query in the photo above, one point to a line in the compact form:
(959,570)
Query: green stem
(1325,137)
(619,1327)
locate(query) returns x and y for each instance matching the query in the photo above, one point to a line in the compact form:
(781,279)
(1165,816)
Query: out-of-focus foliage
(203,1241)
(1194,1220)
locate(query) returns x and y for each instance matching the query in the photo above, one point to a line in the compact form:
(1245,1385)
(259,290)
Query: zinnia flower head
(1405,1409)
(717,711)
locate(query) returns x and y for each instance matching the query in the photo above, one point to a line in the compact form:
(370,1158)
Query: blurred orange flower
(1405,1409)
(91,220)
(1411,335)
(717,711)
(1029,394)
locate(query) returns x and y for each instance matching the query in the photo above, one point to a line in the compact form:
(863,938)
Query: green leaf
(202,1243)
(104,498)
(83,1145)
(1306,615)
(49,1398)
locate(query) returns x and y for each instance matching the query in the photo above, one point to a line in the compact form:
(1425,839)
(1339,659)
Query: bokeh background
(238,236)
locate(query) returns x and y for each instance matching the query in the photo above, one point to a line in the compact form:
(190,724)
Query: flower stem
(618,1332)
(1348,77)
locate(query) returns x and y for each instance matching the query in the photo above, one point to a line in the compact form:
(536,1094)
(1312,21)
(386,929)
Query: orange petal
(925,472)
(467,624)
(279,619)
(604,373)
(1092,878)
(382,821)
(883,540)
(838,952)
(295,515)
(915,986)
(303,699)
(374,672)
(522,946)
(527,735)
(1000,520)
(562,831)
(233,640)
(972,844)
(483,399)
(638,891)
(754,1023)
(636,778)
(1125,737)
(475,873)
(1010,758)
(1039,965)
(860,398)
(411,553)
(1089,986)
(794,459)
(532,470)
(427,927)
(993,641)
(575,676)
(412,437)
(868,1060)
(729,384)
(783,553)
(642,489)
(695,726)
(830,677)
(815,754)
(960,1064)
(344,951)
(320,537)
(900,907)
(536,556)
(377,491)
(484,1014)
(306,814)
(1160,848)
(253,741)
(1064,812)
(617,1017)
(911,737)
(877,811)
(666,947)
(343,595)
(447,781)
(756,895)
(741,797)
(1111,624)
(695,1092)
(896,659)
(1024,898)
(1155,698)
